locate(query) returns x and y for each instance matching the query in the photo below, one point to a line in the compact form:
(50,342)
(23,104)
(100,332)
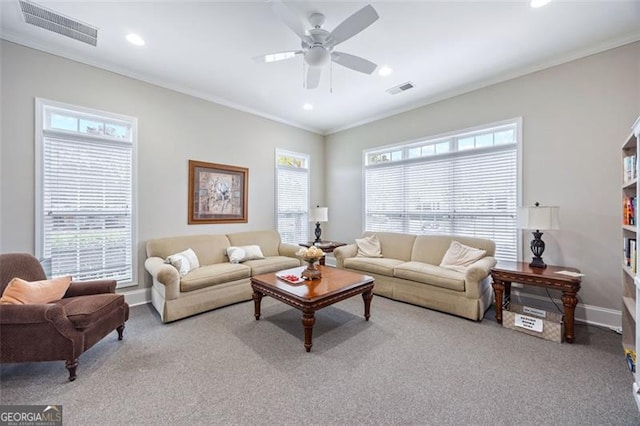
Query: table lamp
(317,215)
(539,218)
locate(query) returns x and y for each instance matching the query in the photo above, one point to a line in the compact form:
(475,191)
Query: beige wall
(172,129)
(575,118)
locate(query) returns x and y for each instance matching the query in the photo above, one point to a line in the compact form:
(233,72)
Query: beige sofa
(217,282)
(408,271)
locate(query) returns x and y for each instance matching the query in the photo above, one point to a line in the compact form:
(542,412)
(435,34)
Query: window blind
(470,192)
(86,207)
(292,192)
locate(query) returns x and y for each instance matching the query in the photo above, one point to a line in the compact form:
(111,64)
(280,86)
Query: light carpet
(407,365)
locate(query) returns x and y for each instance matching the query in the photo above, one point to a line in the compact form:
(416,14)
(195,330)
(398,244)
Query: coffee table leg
(367,296)
(257,298)
(308,320)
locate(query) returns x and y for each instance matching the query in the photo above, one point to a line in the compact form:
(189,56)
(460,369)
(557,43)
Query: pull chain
(330,76)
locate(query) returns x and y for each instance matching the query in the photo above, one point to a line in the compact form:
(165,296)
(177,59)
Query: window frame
(279,152)
(41,105)
(453,137)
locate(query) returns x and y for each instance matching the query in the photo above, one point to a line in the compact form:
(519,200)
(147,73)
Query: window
(461,184)
(85,213)
(292,196)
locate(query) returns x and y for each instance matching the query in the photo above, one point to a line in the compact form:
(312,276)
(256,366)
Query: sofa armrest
(343,252)
(476,274)
(83,288)
(164,275)
(289,250)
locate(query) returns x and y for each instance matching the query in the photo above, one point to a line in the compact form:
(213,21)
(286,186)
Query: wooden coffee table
(310,296)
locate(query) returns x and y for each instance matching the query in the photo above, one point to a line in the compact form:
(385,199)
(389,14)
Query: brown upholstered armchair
(63,329)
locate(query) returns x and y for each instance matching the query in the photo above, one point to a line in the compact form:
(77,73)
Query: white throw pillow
(184,262)
(459,256)
(242,253)
(368,247)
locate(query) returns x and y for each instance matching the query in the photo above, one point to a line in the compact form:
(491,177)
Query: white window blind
(463,185)
(292,193)
(85,192)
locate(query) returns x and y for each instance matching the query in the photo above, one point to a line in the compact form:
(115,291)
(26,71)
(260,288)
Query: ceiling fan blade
(353,62)
(288,17)
(354,24)
(313,77)
(279,56)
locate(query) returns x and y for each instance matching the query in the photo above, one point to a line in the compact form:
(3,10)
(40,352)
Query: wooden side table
(504,273)
(325,246)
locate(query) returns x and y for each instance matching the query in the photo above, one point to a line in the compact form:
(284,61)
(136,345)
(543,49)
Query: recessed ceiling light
(135,39)
(539,3)
(307,107)
(385,71)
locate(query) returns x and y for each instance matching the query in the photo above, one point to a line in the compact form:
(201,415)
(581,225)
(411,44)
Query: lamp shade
(319,214)
(539,218)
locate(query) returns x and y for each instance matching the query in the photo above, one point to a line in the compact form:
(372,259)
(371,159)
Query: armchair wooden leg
(71,366)
(120,331)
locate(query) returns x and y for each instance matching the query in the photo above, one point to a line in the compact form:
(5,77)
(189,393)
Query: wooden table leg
(367,296)
(569,301)
(257,298)
(322,260)
(308,320)
(498,289)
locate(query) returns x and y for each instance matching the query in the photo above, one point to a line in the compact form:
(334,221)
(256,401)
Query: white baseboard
(137,297)
(589,314)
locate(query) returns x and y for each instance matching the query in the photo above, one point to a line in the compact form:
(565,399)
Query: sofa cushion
(375,265)
(395,245)
(269,241)
(86,310)
(209,275)
(209,249)
(271,264)
(430,274)
(432,248)
(241,254)
(459,256)
(184,262)
(368,246)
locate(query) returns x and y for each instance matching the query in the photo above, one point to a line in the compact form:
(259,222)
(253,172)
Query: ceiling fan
(317,43)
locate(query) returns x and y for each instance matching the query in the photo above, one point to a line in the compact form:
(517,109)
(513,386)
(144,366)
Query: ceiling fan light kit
(318,44)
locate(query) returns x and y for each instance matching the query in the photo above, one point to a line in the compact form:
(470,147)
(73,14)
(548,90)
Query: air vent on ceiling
(401,88)
(49,20)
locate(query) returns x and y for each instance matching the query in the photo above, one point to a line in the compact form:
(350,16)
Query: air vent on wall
(401,88)
(49,20)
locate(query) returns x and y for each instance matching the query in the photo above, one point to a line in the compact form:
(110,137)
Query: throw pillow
(368,247)
(459,256)
(21,292)
(242,253)
(184,262)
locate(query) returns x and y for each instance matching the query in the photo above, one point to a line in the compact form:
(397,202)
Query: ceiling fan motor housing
(317,56)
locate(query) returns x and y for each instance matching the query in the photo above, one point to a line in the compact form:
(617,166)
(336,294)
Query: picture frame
(218,193)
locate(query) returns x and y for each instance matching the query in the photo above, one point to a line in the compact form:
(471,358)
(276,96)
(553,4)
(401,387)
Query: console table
(325,246)
(504,273)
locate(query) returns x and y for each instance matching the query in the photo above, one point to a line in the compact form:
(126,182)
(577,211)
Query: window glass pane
(504,137)
(414,152)
(428,150)
(442,147)
(64,122)
(92,127)
(117,131)
(466,143)
(396,156)
(483,141)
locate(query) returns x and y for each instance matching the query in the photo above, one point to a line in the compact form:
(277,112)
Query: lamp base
(318,233)
(537,262)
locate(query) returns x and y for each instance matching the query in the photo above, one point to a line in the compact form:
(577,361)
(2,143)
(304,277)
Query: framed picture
(217,193)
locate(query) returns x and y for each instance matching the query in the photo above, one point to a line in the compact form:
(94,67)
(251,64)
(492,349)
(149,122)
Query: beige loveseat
(217,282)
(409,271)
